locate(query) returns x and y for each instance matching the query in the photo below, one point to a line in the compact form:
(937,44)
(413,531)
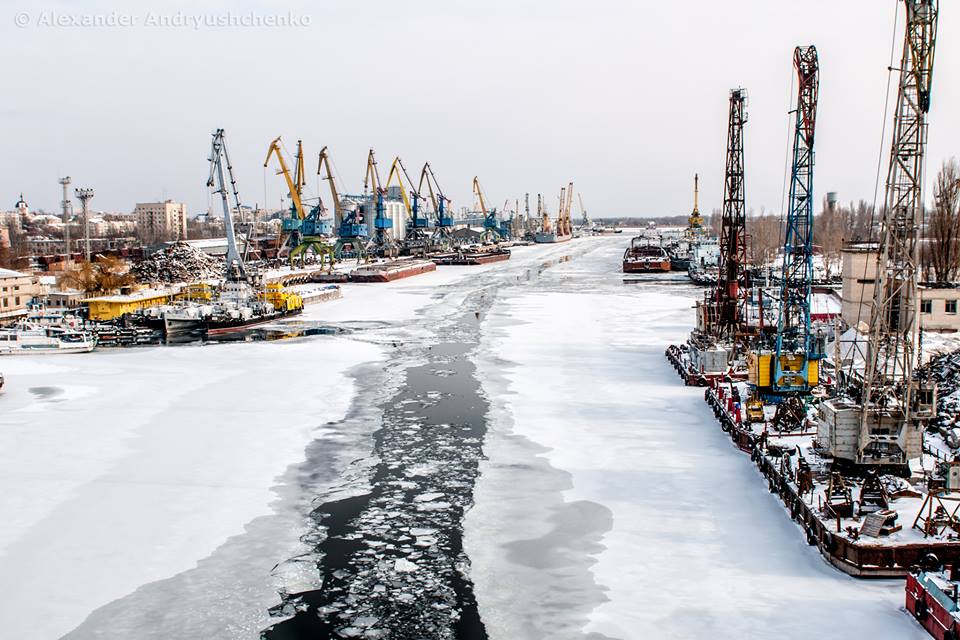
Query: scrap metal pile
(179,262)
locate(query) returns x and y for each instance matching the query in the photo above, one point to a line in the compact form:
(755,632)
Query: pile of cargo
(179,262)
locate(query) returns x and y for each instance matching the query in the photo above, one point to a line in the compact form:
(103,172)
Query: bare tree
(942,250)
(106,274)
(766,238)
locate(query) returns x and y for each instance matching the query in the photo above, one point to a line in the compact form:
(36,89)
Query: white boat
(33,340)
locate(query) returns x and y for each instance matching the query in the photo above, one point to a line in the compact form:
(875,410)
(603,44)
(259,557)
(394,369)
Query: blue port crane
(491,226)
(443,222)
(352,234)
(416,238)
(795,366)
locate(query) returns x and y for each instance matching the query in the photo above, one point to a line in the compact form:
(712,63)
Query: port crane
(444,221)
(416,238)
(352,235)
(219,159)
(382,242)
(546,226)
(564,224)
(733,282)
(491,226)
(794,364)
(695,221)
(306,232)
(878,419)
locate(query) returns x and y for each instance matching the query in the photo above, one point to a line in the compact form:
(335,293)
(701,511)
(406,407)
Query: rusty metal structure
(891,402)
(733,283)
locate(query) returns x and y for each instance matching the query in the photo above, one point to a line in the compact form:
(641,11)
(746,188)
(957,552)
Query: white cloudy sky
(627,98)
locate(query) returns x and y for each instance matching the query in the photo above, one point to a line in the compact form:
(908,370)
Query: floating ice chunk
(428,497)
(402,565)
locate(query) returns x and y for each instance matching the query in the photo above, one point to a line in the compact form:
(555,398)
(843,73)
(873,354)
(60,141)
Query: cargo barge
(643,257)
(855,525)
(471,258)
(392,270)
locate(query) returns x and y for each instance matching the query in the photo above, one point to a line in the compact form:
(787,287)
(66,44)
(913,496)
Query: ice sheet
(681,538)
(135,464)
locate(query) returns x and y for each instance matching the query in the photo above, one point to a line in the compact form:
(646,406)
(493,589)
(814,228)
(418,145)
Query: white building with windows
(166,219)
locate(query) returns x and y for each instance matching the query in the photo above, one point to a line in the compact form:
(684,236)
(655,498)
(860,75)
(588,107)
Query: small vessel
(601,229)
(931,598)
(28,339)
(642,256)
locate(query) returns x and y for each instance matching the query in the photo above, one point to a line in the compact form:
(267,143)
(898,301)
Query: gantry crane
(352,234)
(235,267)
(443,223)
(383,243)
(793,366)
(305,231)
(879,418)
(491,226)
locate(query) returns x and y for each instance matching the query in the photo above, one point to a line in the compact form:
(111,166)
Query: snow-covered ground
(612,504)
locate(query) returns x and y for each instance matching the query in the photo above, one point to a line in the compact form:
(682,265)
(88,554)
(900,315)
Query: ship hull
(390,271)
(549,237)
(646,267)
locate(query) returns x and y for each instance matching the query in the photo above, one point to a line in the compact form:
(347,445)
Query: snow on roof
(136,296)
(822,304)
(7,273)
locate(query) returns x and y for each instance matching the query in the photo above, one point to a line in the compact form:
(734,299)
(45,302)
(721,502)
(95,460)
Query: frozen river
(191,491)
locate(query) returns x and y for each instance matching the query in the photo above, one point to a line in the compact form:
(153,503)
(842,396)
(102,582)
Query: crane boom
(285,171)
(219,158)
(324,163)
(395,170)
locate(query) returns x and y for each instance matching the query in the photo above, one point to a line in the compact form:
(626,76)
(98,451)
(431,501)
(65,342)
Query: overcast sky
(626,98)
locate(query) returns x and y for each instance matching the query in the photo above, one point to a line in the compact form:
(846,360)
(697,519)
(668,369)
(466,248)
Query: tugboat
(644,257)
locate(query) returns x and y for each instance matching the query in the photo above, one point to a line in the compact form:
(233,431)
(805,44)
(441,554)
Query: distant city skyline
(626,99)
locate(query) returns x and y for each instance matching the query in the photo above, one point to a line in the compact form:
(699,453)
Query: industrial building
(16,291)
(938,304)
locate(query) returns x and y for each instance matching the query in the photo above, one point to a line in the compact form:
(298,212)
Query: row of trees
(836,224)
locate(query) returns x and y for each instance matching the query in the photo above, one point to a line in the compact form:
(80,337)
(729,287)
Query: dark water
(393,562)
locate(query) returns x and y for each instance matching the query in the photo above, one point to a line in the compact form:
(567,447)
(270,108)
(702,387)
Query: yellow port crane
(306,232)
(695,221)
(384,243)
(491,227)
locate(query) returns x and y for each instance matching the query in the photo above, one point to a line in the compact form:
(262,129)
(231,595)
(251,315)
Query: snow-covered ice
(612,504)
